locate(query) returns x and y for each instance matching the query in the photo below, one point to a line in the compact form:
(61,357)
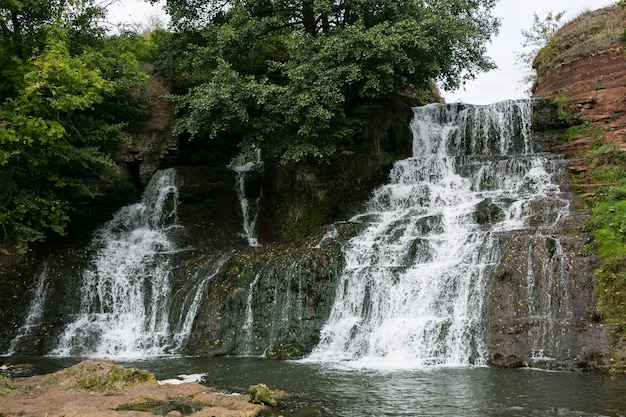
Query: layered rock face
(593,83)
(153,141)
(585,64)
(596,86)
(544,295)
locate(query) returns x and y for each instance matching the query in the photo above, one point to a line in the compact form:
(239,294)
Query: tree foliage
(285,75)
(62,110)
(535,38)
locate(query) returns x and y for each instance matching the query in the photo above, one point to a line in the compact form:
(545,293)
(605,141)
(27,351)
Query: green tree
(285,76)
(63,105)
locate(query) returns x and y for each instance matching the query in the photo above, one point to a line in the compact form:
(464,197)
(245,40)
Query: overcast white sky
(497,85)
(505,82)
(135,11)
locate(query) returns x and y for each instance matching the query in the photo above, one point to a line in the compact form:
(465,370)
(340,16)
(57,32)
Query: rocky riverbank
(97,388)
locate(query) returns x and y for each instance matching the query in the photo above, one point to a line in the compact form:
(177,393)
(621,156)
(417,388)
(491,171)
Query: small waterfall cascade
(126,294)
(203,275)
(548,301)
(274,307)
(35,310)
(249,192)
(413,290)
(248,325)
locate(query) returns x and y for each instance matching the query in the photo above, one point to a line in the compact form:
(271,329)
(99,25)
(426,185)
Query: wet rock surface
(543,294)
(103,389)
(270,301)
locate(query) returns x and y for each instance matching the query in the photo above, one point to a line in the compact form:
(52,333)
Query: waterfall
(414,286)
(126,294)
(205,274)
(248,189)
(548,301)
(248,325)
(35,310)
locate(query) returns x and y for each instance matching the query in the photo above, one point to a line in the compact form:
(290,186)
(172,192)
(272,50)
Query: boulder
(261,394)
(487,212)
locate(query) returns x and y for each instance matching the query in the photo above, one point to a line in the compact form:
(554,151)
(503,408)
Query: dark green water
(321,390)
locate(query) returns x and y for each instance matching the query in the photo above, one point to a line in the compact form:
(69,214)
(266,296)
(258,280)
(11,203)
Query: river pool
(324,390)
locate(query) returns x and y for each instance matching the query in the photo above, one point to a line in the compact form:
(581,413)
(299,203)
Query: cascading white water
(548,302)
(35,311)
(248,325)
(249,205)
(126,294)
(194,299)
(413,288)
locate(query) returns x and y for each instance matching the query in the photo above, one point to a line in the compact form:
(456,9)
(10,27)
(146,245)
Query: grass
(6,385)
(607,165)
(587,34)
(584,129)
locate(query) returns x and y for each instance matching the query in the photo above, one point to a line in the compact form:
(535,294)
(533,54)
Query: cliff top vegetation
(586,35)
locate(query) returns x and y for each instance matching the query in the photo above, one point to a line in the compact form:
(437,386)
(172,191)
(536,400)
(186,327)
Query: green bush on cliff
(64,99)
(535,40)
(607,165)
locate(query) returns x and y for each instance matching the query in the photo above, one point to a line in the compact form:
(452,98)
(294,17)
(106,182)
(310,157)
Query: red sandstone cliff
(587,64)
(596,86)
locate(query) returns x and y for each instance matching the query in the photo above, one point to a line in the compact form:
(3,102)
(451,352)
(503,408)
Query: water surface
(322,390)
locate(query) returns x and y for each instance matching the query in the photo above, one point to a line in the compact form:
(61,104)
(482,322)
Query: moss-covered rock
(100,376)
(269,300)
(261,394)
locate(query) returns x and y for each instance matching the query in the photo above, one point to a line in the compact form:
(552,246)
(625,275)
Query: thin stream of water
(249,205)
(35,310)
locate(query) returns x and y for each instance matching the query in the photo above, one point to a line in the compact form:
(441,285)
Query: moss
(299,217)
(584,129)
(261,394)
(308,196)
(100,376)
(584,36)
(564,111)
(290,350)
(607,165)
